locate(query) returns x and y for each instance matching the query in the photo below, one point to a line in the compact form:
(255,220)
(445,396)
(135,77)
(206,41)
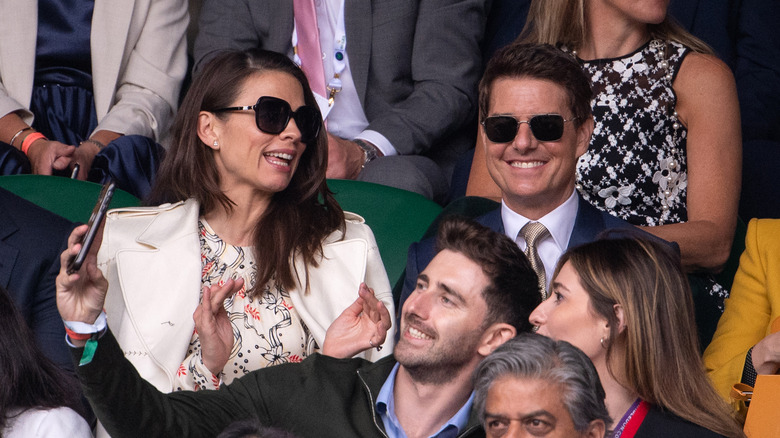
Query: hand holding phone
(98,214)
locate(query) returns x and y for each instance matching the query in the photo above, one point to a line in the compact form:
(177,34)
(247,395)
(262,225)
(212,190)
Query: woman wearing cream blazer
(137,61)
(253,262)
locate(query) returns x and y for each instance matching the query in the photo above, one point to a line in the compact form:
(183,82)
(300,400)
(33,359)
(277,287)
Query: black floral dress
(635,167)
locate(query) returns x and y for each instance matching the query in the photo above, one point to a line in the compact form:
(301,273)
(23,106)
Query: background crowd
(623,145)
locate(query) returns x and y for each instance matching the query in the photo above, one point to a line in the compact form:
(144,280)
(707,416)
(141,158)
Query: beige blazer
(151,258)
(138,62)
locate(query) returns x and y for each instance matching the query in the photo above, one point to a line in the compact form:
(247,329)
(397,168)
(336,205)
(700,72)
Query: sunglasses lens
(272,114)
(309,122)
(501,129)
(547,127)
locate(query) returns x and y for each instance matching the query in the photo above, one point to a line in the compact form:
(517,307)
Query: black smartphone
(98,214)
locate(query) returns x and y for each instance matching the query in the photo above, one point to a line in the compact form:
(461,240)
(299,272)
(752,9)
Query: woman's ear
(207,129)
(618,309)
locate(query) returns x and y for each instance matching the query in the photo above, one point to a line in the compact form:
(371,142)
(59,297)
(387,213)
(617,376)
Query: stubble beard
(440,364)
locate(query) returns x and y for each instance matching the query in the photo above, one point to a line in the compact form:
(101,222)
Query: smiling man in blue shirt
(476,294)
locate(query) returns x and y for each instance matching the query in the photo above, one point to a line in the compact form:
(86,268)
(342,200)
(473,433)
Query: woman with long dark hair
(248,260)
(37,399)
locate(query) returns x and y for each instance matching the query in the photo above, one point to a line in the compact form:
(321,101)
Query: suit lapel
(110,26)
(588,224)
(160,281)
(493,220)
(358,24)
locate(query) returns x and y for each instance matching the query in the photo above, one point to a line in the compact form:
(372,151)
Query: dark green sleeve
(129,406)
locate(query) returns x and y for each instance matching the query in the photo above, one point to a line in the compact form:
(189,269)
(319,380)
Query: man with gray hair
(535,386)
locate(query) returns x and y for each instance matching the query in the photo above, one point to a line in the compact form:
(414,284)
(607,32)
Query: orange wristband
(30,139)
(77,336)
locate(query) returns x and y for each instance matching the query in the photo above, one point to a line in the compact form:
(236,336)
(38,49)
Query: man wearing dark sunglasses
(535,120)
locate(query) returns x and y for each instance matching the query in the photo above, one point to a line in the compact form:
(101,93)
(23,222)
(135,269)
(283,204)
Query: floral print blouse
(266,328)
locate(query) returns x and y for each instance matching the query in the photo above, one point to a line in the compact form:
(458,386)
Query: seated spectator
(535,122)
(395,81)
(626,304)
(534,386)
(253,260)
(666,149)
(746,342)
(36,398)
(31,240)
(475,295)
(83,80)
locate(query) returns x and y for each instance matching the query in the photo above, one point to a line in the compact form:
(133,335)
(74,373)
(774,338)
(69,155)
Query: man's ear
(583,136)
(207,129)
(596,429)
(494,337)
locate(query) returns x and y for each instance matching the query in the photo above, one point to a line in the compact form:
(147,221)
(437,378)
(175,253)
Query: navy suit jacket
(31,241)
(589,223)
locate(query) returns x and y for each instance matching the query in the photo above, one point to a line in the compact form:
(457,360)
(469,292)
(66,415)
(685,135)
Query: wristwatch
(369,151)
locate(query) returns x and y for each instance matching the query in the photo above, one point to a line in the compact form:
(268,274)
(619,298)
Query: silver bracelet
(17,135)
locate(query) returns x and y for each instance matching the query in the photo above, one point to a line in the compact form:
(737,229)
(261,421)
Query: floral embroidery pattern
(266,329)
(635,167)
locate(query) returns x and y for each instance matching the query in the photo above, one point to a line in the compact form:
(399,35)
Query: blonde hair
(659,347)
(563,23)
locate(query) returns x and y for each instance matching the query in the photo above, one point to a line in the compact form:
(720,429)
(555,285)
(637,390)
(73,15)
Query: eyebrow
(452,292)
(423,277)
(559,285)
(534,414)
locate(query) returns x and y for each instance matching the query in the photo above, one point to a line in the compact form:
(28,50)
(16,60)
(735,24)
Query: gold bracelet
(17,135)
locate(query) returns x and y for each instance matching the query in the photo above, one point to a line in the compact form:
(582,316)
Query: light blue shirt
(385,405)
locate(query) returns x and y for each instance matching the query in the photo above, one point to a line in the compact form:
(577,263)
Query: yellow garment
(753,305)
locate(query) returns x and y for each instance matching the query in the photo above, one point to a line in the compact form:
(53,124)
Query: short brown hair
(538,61)
(513,292)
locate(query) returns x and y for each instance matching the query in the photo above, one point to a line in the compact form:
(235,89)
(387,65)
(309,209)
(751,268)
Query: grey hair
(533,356)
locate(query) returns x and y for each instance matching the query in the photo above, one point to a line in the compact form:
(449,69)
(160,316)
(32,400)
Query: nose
(291,131)
(524,140)
(515,430)
(539,315)
(418,303)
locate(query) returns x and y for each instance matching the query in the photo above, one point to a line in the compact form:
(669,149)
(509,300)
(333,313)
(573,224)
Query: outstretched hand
(213,325)
(362,325)
(80,296)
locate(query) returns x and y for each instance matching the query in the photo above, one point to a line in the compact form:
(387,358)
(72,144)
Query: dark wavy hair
(299,217)
(29,379)
(513,292)
(538,61)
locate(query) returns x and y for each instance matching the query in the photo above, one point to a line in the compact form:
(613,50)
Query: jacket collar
(373,377)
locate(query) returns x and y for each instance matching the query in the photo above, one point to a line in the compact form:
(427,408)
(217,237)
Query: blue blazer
(589,223)
(31,241)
